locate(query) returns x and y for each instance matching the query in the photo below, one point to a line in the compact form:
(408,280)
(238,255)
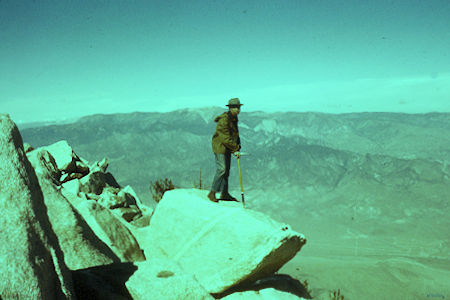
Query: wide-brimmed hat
(234,102)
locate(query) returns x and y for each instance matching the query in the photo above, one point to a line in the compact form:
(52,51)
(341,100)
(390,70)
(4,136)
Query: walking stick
(240,178)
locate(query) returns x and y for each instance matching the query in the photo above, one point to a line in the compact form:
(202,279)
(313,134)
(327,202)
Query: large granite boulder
(64,156)
(81,247)
(31,260)
(222,245)
(165,280)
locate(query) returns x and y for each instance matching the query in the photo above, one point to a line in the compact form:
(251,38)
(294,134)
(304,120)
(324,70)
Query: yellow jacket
(226,135)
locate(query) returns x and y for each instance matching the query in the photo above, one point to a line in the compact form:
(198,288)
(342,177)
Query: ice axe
(240,177)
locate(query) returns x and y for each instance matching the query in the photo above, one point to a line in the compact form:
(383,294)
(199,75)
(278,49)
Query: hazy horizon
(63,60)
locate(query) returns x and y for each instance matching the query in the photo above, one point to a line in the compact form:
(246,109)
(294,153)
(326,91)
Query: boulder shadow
(103,282)
(280,282)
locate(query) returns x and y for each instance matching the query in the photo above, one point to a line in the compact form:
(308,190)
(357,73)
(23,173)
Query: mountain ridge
(369,187)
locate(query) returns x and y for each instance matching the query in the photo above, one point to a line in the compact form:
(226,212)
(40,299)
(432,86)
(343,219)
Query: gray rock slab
(109,198)
(222,245)
(64,156)
(72,187)
(96,181)
(165,280)
(107,227)
(82,168)
(129,190)
(81,247)
(127,213)
(31,260)
(100,166)
(27,147)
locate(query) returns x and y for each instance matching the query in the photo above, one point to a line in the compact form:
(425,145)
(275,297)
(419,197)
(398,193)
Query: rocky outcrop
(195,249)
(81,247)
(108,228)
(165,280)
(64,156)
(97,197)
(222,245)
(31,260)
(27,147)
(145,212)
(76,177)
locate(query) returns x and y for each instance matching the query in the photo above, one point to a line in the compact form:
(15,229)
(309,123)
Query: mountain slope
(366,172)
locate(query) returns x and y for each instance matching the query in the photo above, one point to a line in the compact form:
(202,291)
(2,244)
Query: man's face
(235,110)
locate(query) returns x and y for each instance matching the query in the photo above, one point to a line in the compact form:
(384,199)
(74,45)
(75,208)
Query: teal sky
(64,59)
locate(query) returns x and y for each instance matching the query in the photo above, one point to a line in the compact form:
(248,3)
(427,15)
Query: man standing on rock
(225,142)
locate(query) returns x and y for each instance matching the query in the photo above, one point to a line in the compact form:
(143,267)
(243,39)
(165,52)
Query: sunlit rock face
(222,244)
(109,229)
(81,247)
(86,203)
(164,279)
(32,264)
(64,156)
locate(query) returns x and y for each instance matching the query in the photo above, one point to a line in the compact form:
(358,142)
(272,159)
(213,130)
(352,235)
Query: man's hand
(237,154)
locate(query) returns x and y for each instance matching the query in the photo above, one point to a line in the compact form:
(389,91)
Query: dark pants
(220,182)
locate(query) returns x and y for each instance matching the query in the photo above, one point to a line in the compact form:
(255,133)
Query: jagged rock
(70,176)
(127,198)
(84,161)
(27,147)
(31,261)
(114,198)
(100,166)
(91,196)
(146,211)
(96,181)
(93,183)
(143,220)
(64,156)
(129,190)
(51,171)
(82,168)
(81,247)
(65,177)
(107,227)
(110,199)
(72,187)
(164,279)
(222,245)
(127,213)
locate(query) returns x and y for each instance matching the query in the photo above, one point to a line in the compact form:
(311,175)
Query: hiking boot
(227,197)
(212,196)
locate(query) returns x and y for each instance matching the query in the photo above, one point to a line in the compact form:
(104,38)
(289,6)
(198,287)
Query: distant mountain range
(361,168)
